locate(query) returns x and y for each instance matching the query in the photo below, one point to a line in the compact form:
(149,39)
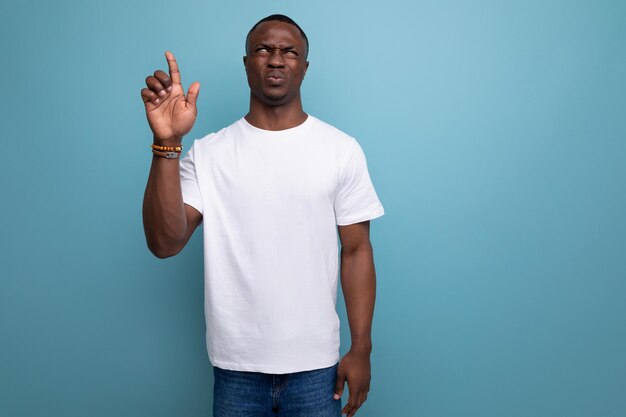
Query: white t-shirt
(270,202)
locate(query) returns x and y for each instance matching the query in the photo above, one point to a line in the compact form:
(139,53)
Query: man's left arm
(358,281)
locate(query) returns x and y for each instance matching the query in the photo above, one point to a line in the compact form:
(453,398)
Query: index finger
(174,72)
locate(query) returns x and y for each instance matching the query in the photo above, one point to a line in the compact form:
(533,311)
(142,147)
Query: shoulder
(333,138)
(327,130)
(217,139)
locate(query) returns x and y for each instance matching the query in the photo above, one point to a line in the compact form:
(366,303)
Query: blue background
(495,134)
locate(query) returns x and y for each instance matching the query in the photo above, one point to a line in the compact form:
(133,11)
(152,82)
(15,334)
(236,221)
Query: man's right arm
(168,222)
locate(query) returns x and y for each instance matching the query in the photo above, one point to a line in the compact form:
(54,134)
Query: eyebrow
(285,48)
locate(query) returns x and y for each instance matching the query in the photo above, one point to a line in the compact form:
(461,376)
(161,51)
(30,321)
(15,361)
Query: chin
(274,99)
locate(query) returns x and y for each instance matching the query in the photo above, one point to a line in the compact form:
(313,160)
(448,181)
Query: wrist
(168,152)
(361,347)
(172,141)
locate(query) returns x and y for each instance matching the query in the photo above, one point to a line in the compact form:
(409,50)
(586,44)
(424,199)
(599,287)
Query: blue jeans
(254,394)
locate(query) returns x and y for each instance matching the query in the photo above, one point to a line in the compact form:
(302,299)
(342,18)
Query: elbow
(165,241)
(161,254)
(163,251)
(363,248)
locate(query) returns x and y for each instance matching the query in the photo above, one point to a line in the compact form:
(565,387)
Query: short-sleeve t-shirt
(271,202)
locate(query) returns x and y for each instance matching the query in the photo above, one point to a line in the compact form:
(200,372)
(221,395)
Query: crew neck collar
(302,125)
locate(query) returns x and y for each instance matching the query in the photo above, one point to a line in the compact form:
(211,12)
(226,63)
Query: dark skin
(275,65)
(358,281)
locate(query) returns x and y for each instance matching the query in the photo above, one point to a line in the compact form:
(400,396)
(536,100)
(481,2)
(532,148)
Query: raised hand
(170,113)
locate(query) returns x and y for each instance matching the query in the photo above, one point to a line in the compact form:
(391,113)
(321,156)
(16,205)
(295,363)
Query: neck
(275,117)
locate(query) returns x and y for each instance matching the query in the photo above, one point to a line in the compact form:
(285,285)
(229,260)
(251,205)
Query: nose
(276,59)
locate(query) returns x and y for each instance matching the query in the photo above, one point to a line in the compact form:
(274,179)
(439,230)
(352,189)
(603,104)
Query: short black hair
(284,19)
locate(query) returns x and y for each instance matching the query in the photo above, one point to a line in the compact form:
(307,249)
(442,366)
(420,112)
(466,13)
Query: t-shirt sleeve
(356,200)
(189,180)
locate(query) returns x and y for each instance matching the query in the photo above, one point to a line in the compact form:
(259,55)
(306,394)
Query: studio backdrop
(495,136)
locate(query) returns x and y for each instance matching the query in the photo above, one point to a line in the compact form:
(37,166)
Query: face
(275,64)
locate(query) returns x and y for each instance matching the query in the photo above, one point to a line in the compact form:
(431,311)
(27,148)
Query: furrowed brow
(284,48)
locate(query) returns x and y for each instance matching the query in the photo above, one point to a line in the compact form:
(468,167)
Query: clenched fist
(170,113)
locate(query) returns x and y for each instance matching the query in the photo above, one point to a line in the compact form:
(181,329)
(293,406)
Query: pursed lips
(275,75)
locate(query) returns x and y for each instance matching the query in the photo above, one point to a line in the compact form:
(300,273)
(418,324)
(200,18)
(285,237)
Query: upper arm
(194,218)
(355,236)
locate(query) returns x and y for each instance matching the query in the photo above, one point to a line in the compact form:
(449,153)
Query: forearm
(358,281)
(164,217)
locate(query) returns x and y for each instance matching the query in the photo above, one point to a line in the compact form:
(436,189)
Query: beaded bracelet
(167,148)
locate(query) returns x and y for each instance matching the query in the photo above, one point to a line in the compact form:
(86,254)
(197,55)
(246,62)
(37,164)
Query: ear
(245,60)
(306,67)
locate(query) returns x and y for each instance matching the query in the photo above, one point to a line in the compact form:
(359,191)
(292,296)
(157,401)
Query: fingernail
(336,396)
(156,101)
(169,88)
(162,92)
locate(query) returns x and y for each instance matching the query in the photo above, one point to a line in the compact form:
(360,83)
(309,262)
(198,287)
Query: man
(271,190)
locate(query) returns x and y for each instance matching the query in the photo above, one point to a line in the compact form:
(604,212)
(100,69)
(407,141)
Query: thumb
(339,385)
(192,93)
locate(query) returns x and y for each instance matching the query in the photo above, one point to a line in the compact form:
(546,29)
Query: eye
(291,54)
(262,50)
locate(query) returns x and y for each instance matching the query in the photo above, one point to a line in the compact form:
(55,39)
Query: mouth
(275,77)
